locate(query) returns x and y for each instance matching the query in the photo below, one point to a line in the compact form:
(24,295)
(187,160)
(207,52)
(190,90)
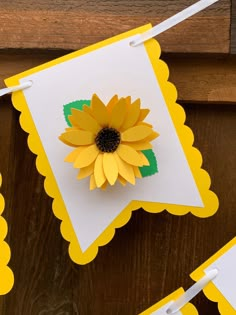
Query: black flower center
(108,139)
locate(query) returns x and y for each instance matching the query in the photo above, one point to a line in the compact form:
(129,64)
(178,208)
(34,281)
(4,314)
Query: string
(19,87)
(172,21)
(192,292)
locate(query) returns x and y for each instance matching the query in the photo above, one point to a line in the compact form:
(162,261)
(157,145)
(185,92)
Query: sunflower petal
(144,159)
(110,168)
(78,137)
(104,186)
(66,142)
(99,175)
(137,172)
(85,121)
(87,156)
(122,180)
(139,145)
(86,171)
(118,114)
(99,111)
(152,136)
(142,123)
(92,184)
(111,103)
(136,133)
(72,121)
(125,170)
(129,155)
(143,113)
(132,115)
(74,154)
(87,109)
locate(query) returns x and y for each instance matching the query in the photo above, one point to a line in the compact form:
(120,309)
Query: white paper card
(226,279)
(114,69)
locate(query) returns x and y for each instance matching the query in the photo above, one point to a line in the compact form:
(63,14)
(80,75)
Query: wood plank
(74,24)
(149,258)
(233,28)
(198,79)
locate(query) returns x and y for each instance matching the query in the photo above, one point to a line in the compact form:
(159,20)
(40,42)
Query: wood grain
(149,258)
(198,79)
(233,28)
(74,24)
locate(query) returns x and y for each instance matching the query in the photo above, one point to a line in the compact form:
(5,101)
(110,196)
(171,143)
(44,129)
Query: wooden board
(73,24)
(198,79)
(233,28)
(149,258)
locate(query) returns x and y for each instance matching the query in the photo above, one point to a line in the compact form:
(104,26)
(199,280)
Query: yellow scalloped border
(6,274)
(185,134)
(211,291)
(188,309)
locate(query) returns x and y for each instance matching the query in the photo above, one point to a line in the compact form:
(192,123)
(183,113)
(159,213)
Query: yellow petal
(72,120)
(86,171)
(129,155)
(66,142)
(118,114)
(92,184)
(144,124)
(137,172)
(125,170)
(74,154)
(143,114)
(139,145)
(72,128)
(111,103)
(128,100)
(132,115)
(122,180)
(87,109)
(87,156)
(136,133)
(104,186)
(98,171)
(99,111)
(85,121)
(152,136)
(110,168)
(78,137)
(144,159)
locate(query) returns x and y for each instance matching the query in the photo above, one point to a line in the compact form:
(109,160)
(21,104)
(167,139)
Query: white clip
(19,87)
(172,21)
(192,292)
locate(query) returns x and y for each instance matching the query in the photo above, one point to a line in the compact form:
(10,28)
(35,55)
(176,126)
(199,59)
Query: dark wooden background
(153,254)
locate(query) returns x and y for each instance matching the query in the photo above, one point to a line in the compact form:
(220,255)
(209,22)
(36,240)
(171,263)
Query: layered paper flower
(109,140)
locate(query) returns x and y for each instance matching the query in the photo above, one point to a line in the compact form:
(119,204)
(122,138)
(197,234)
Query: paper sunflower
(109,140)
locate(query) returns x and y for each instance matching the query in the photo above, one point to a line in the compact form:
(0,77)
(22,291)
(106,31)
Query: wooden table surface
(153,254)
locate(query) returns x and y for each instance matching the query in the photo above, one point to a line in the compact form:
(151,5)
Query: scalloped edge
(6,274)
(211,291)
(185,134)
(188,309)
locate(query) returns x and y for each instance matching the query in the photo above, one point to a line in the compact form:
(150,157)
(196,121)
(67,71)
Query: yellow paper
(188,309)
(211,291)
(6,274)
(177,114)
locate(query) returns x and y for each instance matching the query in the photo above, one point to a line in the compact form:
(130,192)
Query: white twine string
(192,292)
(172,21)
(19,87)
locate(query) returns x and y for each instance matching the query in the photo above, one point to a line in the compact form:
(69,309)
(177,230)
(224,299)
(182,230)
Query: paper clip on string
(19,87)
(177,305)
(172,21)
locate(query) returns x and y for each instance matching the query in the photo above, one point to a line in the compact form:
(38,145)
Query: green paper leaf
(152,168)
(76,104)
